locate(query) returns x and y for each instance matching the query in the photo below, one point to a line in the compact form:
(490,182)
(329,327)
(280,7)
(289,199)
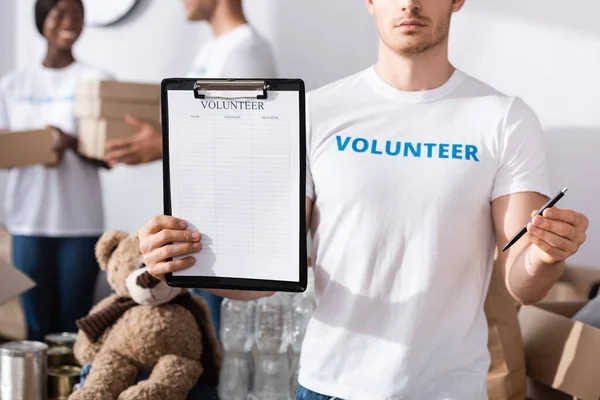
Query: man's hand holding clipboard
(157,238)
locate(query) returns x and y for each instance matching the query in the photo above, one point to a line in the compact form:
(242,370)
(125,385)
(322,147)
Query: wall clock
(107,12)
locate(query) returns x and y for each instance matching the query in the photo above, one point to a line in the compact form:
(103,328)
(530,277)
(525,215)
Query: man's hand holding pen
(555,236)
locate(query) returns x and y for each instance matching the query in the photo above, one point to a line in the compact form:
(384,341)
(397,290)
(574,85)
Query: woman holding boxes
(54,212)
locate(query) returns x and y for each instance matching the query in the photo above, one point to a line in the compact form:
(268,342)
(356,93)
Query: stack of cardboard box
(101,107)
(24,148)
(562,355)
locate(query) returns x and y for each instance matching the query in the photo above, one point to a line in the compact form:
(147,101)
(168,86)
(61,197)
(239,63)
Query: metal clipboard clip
(202,86)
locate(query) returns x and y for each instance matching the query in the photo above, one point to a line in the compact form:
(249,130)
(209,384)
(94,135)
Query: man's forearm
(529,279)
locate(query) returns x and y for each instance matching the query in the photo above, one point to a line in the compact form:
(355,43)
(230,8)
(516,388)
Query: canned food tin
(61,381)
(23,371)
(61,339)
(60,355)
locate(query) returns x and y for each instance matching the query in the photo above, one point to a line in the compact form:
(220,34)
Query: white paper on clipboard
(234,176)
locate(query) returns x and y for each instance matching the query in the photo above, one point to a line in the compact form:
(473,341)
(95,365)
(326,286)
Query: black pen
(523,230)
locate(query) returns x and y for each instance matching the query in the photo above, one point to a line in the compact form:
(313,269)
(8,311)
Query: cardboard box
(506,378)
(574,285)
(5,245)
(93,135)
(94,108)
(580,276)
(119,91)
(561,353)
(565,291)
(537,391)
(12,284)
(86,139)
(24,148)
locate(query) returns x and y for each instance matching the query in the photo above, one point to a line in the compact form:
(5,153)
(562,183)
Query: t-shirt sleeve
(4,89)
(102,75)
(310,185)
(522,155)
(248,62)
(93,73)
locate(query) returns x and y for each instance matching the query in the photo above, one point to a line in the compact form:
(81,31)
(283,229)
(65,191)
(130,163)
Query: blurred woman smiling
(54,212)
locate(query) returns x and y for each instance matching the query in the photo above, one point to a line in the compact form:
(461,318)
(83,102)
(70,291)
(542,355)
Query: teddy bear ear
(107,244)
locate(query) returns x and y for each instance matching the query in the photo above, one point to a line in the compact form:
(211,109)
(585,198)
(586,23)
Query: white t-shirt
(403,237)
(40,201)
(240,53)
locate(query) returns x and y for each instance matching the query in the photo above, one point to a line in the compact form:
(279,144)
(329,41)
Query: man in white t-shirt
(416,172)
(236,50)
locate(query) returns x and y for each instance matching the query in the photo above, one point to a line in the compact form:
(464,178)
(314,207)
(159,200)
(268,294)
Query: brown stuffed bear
(147,326)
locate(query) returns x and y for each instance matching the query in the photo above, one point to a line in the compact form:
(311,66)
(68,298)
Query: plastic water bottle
(237,338)
(303,307)
(272,369)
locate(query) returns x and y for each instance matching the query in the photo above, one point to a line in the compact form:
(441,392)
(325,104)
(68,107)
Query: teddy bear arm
(111,374)
(84,349)
(172,377)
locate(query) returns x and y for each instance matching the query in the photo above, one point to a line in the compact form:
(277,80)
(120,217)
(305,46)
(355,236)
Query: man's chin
(413,47)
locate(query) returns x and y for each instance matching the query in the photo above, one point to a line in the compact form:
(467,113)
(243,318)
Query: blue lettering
(394,148)
(356,142)
(409,147)
(342,146)
(374,148)
(471,152)
(457,151)
(430,147)
(388,150)
(444,150)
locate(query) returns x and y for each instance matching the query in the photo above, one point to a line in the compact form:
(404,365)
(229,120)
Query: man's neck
(227,17)
(425,71)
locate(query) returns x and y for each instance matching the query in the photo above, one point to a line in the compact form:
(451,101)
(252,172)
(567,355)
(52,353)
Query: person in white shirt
(235,51)
(416,172)
(53,212)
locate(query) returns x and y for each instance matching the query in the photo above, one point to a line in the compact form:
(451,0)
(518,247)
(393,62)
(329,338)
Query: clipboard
(188,108)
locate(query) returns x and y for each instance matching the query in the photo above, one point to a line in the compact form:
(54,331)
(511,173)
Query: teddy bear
(146,327)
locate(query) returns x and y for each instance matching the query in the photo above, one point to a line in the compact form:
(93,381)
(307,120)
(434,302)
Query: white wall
(550,56)
(318,41)
(7,32)
(7,59)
